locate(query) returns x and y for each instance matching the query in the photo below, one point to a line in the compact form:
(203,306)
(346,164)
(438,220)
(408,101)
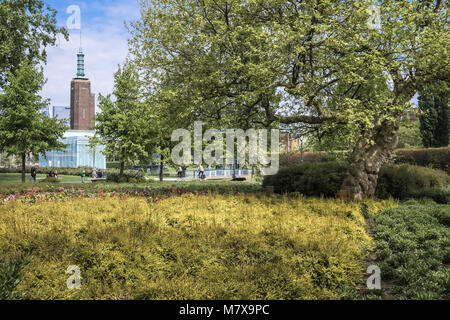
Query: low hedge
(156,187)
(129,176)
(407,181)
(398,181)
(310,179)
(294,158)
(438,158)
(61,170)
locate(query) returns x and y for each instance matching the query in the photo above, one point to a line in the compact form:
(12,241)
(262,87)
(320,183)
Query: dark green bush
(50,180)
(310,179)
(438,158)
(398,181)
(407,181)
(413,249)
(116,165)
(129,176)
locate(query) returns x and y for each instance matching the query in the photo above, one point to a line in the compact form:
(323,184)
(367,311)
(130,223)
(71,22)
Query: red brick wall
(82,105)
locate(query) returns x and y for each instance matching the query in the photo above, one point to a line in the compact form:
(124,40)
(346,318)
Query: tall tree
(121,125)
(435,115)
(245,63)
(23,127)
(27,27)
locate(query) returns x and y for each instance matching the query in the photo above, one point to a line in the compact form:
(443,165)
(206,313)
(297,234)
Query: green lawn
(17,178)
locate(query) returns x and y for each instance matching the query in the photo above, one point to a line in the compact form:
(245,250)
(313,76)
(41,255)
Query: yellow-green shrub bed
(190,247)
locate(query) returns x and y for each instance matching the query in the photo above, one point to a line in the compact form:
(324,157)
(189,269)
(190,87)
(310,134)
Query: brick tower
(82,101)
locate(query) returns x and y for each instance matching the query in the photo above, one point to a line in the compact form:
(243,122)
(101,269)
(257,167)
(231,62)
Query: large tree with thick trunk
(338,65)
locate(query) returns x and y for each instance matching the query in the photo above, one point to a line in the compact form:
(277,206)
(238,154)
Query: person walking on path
(201,173)
(94,173)
(180,172)
(82,176)
(33,174)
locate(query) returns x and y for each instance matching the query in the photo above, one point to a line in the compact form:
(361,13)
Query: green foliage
(23,127)
(50,180)
(406,181)
(435,116)
(128,176)
(64,171)
(398,181)
(310,179)
(27,27)
(431,158)
(121,125)
(413,250)
(257,63)
(248,247)
(220,187)
(116,165)
(11,273)
(409,135)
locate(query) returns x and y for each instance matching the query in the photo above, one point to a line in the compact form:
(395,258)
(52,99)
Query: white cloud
(104,42)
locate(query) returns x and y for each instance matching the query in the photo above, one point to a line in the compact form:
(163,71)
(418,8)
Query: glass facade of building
(62,113)
(76,154)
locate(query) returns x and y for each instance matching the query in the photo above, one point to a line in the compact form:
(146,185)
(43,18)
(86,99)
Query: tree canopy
(249,63)
(24,129)
(435,115)
(121,124)
(27,27)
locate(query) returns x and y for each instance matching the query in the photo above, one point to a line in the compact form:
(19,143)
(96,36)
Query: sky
(104,42)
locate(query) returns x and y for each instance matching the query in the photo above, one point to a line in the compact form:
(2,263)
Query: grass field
(189,247)
(11,178)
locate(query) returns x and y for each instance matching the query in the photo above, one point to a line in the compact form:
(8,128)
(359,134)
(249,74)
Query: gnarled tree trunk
(367,160)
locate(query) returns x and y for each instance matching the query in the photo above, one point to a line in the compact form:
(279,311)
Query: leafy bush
(221,187)
(294,158)
(438,158)
(413,250)
(129,176)
(116,165)
(439,194)
(50,180)
(191,247)
(11,273)
(310,179)
(398,181)
(406,181)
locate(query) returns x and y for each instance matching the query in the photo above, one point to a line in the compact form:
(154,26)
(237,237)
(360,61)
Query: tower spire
(80,62)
